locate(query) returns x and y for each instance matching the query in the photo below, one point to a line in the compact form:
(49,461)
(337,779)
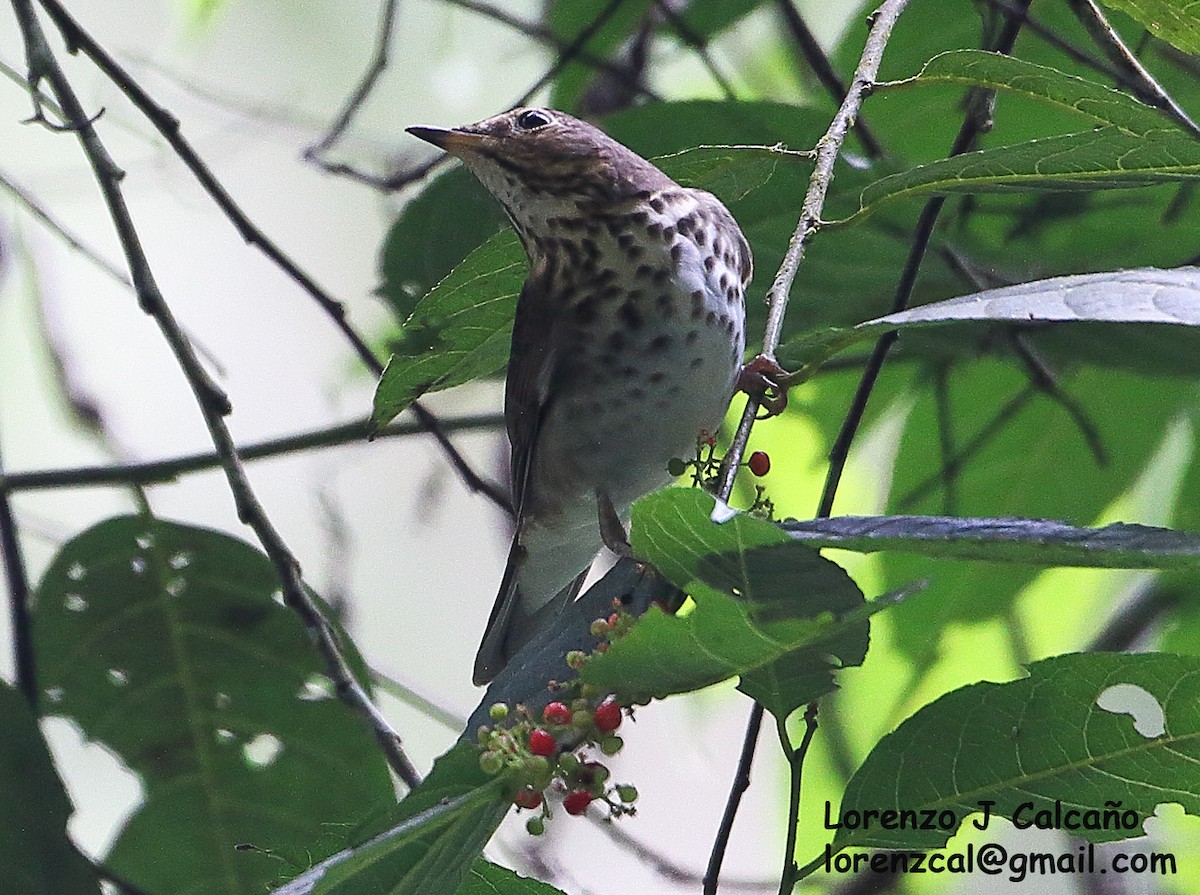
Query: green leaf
(35,851)
(458,332)
(1000,72)
(426,844)
(1029,541)
(1116,307)
(1043,738)
(164,643)
(1175,21)
(486,878)
(452,215)
(1105,158)
(767,609)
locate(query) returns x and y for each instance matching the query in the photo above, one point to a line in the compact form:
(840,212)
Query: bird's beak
(452,140)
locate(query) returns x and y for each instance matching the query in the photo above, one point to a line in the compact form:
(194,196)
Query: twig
(975,123)
(787,879)
(741,782)
(698,44)
(213,403)
(811,50)
(39,211)
(168,470)
(377,66)
(545,36)
(827,150)
(168,125)
(941,401)
(668,868)
(1063,46)
(951,465)
(1107,38)
(572,50)
(18,599)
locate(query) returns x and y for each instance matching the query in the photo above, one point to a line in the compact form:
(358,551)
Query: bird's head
(541,163)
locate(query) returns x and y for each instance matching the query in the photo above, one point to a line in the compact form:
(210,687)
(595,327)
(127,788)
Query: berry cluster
(706,472)
(531,753)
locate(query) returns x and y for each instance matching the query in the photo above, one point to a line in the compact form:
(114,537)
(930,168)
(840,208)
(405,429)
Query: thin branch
(377,66)
(572,50)
(18,599)
(827,150)
(168,125)
(1059,43)
(169,470)
(1144,85)
(214,405)
(954,463)
(741,782)
(818,61)
(698,44)
(545,36)
(27,201)
(787,879)
(945,427)
(976,122)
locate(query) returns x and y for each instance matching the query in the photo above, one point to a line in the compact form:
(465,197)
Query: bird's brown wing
(527,390)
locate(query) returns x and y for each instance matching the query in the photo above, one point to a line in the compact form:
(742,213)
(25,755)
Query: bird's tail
(512,624)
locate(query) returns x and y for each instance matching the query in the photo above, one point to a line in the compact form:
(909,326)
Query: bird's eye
(532,119)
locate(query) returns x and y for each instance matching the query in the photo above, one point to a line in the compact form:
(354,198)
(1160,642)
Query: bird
(627,342)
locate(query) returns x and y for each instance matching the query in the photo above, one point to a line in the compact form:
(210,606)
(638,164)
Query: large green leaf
(427,844)
(1105,158)
(1175,21)
(1061,734)
(486,878)
(165,643)
(767,608)
(1031,541)
(35,851)
(452,215)
(458,332)
(999,72)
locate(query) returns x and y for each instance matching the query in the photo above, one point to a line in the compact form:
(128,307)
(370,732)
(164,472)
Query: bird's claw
(763,379)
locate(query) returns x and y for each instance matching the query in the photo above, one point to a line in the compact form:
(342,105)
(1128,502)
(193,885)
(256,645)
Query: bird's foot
(612,532)
(764,379)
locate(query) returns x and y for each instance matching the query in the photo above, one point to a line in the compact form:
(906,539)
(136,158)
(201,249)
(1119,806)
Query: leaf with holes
(1064,733)
(425,844)
(164,643)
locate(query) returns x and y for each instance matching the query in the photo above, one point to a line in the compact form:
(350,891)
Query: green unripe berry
(535,826)
(491,763)
(627,794)
(498,711)
(611,745)
(676,466)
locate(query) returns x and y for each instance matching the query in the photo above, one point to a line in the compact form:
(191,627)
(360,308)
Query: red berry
(607,717)
(612,620)
(556,713)
(541,743)
(527,798)
(576,802)
(760,463)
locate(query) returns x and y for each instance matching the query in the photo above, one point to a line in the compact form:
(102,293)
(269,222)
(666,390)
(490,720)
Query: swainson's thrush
(627,342)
